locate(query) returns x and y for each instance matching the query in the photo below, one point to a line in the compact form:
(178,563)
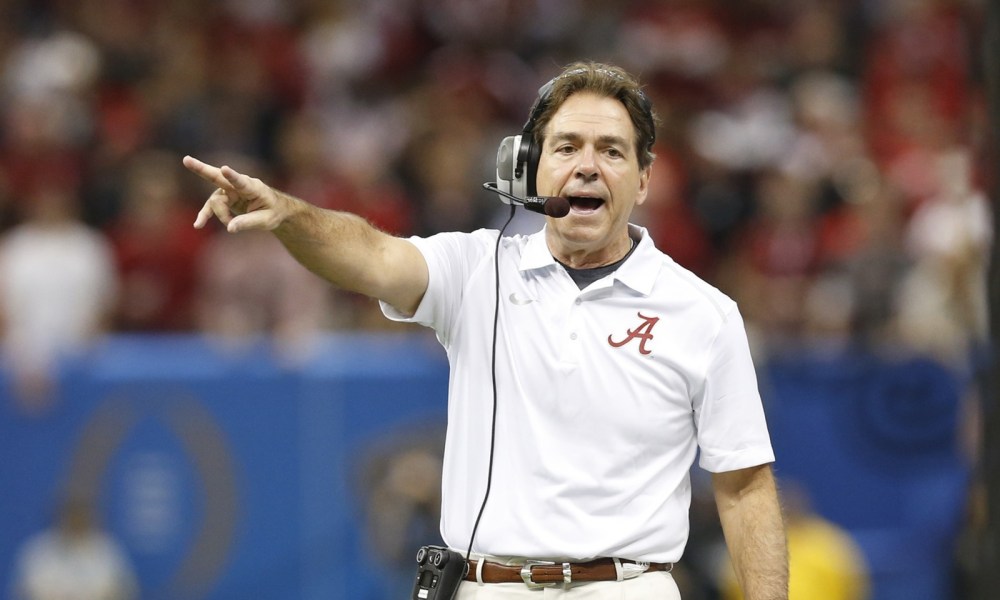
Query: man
(610,368)
(74,558)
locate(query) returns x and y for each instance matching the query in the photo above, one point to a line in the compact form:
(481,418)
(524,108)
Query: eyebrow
(607,140)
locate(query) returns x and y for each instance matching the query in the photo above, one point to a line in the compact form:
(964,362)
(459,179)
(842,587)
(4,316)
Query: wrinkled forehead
(591,115)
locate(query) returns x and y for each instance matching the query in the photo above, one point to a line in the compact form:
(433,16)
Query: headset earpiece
(532,152)
(518,155)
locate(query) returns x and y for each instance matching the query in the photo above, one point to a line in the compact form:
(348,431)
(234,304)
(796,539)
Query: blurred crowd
(819,161)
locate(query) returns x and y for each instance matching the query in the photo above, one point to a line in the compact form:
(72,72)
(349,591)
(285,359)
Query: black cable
(493,372)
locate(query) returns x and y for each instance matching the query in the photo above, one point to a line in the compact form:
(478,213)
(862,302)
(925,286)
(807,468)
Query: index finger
(207,172)
(243,185)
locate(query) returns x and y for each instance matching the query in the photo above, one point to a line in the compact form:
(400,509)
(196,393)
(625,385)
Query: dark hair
(604,80)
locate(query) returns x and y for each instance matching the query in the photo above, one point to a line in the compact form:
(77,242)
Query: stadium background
(245,431)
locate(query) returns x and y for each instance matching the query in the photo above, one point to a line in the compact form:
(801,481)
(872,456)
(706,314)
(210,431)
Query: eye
(565,149)
(615,153)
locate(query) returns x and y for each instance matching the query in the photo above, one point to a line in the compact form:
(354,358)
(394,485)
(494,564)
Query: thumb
(259,219)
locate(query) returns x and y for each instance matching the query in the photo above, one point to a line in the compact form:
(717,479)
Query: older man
(587,368)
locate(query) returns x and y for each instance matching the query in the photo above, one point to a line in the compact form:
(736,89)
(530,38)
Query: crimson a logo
(643,333)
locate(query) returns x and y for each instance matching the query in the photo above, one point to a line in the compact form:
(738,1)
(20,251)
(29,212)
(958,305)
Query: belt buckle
(526,573)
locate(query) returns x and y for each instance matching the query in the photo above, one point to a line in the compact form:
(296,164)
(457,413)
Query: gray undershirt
(584,277)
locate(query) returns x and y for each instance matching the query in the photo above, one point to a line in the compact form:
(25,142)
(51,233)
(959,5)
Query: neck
(586,258)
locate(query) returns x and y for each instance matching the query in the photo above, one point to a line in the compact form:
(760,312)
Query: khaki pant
(648,586)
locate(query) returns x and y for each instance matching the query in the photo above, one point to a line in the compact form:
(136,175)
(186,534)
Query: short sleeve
(729,414)
(451,258)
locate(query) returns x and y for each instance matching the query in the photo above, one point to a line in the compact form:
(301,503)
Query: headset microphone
(552,206)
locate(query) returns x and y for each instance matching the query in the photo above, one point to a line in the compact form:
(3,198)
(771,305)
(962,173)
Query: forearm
(346,250)
(755,535)
(340,247)
(335,245)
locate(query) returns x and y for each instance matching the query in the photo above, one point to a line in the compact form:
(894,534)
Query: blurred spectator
(156,248)
(393,109)
(943,304)
(337,166)
(685,43)
(400,492)
(824,561)
(248,287)
(916,78)
(863,257)
(47,109)
(444,163)
(753,132)
(779,253)
(74,559)
(57,289)
(671,219)
(819,36)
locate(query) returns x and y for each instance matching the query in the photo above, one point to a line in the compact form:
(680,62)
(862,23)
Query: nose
(586,166)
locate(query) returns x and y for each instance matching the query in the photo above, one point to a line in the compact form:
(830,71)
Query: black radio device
(439,572)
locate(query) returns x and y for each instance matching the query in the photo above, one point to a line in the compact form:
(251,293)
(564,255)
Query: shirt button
(572,336)
(579,301)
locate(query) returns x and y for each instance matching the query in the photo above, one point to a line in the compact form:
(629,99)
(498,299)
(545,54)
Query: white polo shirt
(604,396)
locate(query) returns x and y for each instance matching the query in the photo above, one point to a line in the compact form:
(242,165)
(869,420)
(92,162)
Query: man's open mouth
(585,204)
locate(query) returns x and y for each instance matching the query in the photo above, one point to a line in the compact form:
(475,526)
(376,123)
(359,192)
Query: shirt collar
(639,272)
(536,253)
(641,269)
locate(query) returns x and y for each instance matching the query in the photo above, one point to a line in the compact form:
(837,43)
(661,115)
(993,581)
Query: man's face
(589,158)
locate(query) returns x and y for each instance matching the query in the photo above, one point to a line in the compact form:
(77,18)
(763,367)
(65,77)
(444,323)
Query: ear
(643,185)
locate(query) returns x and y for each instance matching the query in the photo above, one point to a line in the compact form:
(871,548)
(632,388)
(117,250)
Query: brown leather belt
(544,573)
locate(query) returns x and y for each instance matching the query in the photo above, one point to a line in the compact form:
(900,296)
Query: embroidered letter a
(644,333)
